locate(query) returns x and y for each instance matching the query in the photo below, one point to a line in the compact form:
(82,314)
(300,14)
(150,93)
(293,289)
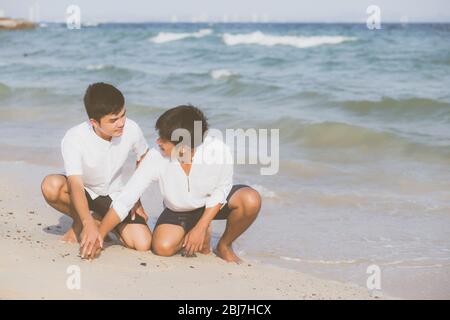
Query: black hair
(181,117)
(102,99)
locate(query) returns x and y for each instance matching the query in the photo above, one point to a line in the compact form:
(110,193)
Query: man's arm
(194,239)
(89,233)
(147,172)
(109,222)
(138,162)
(78,198)
(138,208)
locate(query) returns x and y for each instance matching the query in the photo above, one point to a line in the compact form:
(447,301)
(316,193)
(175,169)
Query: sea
(363,115)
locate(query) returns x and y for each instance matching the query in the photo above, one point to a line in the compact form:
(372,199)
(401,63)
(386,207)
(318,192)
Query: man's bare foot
(207,243)
(69,237)
(226,253)
(206,250)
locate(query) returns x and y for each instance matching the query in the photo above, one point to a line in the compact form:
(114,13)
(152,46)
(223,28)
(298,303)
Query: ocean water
(364,120)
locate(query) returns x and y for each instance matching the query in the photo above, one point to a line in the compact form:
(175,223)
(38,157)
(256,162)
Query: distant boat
(15,24)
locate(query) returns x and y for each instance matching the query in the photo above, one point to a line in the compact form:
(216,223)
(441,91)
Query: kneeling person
(94,154)
(196,182)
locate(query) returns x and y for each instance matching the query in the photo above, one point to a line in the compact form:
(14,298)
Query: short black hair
(102,99)
(181,117)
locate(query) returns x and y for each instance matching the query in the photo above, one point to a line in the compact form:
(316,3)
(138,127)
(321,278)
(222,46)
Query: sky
(230,10)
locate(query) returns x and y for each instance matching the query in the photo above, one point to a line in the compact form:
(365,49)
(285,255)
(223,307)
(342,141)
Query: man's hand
(96,250)
(138,209)
(193,241)
(89,236)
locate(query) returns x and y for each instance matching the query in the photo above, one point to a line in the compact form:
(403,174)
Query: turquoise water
(364,119)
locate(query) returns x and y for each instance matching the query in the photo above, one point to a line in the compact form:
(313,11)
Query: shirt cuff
(74,172)
(216,198)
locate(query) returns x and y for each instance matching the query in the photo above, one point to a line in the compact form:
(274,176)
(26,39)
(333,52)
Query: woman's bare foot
(226,253)
(70,236)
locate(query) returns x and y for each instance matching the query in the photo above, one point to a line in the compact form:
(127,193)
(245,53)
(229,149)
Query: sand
(36,265)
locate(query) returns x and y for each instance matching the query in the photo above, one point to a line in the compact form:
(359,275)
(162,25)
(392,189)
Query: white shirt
(99,161)
(208,183)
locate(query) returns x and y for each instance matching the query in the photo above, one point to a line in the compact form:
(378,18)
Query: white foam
(97,66)
(90,24)
(291,259)
(259,38)
(164,37)
(222,74)
(332,262)
(264,192)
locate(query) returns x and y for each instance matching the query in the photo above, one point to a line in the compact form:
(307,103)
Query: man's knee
(164,248)
(143,243)
(251,201)
(136,236)
(51,187)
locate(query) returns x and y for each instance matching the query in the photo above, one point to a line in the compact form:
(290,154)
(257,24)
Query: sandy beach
(34,263)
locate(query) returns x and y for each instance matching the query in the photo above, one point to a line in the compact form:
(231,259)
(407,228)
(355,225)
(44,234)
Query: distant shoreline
(15,24)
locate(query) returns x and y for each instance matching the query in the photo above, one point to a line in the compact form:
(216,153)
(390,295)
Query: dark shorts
(189,219)
(101,204)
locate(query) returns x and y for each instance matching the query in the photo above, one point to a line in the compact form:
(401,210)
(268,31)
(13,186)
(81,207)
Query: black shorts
(101,205)
(189,219)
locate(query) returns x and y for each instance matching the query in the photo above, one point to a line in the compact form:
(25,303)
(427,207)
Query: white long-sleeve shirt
(208,183)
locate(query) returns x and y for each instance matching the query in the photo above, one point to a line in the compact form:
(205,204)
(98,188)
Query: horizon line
(246,22)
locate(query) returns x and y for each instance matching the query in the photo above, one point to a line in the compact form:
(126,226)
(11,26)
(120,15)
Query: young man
(195,179)
(94,154)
